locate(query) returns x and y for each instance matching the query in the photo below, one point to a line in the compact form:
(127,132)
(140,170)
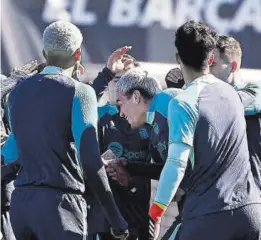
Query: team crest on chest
(143,133)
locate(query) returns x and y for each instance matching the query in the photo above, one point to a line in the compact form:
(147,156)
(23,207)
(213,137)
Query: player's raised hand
(116,63)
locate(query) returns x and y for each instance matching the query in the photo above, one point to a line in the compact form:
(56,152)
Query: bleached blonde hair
(62,37)
(138,79)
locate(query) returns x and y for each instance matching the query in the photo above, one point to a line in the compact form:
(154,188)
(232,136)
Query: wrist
(108,73)
(131,187)
(157,210)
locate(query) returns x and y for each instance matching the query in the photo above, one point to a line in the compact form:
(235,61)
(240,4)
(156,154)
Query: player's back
(41,114)
(221,178)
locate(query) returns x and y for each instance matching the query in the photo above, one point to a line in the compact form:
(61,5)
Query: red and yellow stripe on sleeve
(157,210)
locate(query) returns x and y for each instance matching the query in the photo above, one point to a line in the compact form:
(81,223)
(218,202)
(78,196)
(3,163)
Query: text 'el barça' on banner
(147,25)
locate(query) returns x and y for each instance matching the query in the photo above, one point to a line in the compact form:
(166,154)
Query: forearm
(246,97)
(248,93)
(97,178)
(84,125)
(170,178)
(149,170)
(101,81)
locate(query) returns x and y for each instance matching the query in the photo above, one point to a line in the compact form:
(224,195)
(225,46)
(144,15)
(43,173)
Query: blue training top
(157,118)
(208,116)
(47,113)
(54,119)
(116,134)
(250,95)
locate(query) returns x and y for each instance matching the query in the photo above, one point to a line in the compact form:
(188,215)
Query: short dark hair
(229,48)
(174,78)
(195,41)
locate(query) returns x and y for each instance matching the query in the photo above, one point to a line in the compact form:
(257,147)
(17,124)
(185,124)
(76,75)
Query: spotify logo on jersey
(116,148)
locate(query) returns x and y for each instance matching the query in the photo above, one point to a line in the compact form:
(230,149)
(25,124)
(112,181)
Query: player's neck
(235,78)
(69,71)
(190,75)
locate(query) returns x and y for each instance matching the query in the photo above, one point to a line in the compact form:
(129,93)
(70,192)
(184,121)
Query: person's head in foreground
(112,97)
(227,59)
(62,47)
(195,43)
(174,78)
(135,91)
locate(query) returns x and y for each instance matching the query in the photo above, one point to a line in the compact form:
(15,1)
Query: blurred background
(147,25)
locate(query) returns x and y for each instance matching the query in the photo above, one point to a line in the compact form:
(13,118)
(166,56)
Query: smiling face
(132,108)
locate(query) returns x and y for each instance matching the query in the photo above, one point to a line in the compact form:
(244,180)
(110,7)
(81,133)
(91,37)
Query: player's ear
(136,96)
(211,60)
(234,66)
(77,55)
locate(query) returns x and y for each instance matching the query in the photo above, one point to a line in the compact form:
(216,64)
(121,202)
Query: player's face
(130,109)
(219,67)
(112,90)
(112,84)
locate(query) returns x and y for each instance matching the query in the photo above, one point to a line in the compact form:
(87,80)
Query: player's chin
(135,125)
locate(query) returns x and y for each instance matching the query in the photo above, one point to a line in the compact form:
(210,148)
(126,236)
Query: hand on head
(119,60)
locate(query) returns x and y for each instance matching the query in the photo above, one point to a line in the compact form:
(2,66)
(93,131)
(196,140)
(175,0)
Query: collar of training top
(52,70)
(151,112)
(159,104)
(208,78)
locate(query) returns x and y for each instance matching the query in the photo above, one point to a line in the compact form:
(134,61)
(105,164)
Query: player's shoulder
(160,102)
(172,92)
(182,104)
(193,90)
(106,111)
(165,96)
(83,89)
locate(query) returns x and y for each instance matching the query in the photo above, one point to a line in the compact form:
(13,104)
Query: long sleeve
(101,81)
(84,127)
(172,173)
(9,151)
(182,120)
(248,94)
(149,170)
(251,98)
